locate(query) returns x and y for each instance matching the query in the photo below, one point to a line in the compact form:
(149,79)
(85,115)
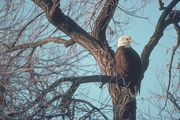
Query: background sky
(141,31)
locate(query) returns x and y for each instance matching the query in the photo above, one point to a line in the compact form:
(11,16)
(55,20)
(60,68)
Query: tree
(38,91)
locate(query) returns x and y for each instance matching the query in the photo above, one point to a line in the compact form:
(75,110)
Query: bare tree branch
(67,25)
(173,100)
(177,27)
(161,5)
(76,81)
(4,45)
(101,23)
(66,99)
(66,43)
(160,27)
(22,30)
(92,106)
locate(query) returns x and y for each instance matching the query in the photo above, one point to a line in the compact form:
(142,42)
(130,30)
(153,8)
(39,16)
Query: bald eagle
(128,64)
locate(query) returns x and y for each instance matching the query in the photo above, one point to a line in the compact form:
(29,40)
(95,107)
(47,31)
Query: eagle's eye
(127,38)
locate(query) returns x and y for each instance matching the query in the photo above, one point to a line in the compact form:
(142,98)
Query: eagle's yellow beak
(130,40)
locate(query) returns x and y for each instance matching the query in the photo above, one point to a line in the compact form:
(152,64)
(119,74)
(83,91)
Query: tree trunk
(124,104)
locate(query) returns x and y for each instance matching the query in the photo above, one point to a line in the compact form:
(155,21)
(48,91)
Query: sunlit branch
(66,43)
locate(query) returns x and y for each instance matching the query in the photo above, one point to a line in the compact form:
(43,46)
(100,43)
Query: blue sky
(140,30)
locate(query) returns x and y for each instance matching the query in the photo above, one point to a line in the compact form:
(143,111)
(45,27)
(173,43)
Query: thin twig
(76,81)
(4,45)
(94,108)
(23,29)
(177,27)
(173,100)
(161,5)
(66,43)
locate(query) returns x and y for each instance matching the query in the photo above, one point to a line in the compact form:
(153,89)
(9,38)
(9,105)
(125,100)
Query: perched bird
(128,64)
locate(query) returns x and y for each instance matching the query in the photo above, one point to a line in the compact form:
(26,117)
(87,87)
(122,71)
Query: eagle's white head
(125,41)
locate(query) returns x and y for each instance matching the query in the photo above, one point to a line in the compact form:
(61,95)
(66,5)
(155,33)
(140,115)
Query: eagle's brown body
(128,66)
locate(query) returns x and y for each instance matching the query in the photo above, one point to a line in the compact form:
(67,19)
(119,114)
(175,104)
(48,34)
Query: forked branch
(101,23)
(163,22)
